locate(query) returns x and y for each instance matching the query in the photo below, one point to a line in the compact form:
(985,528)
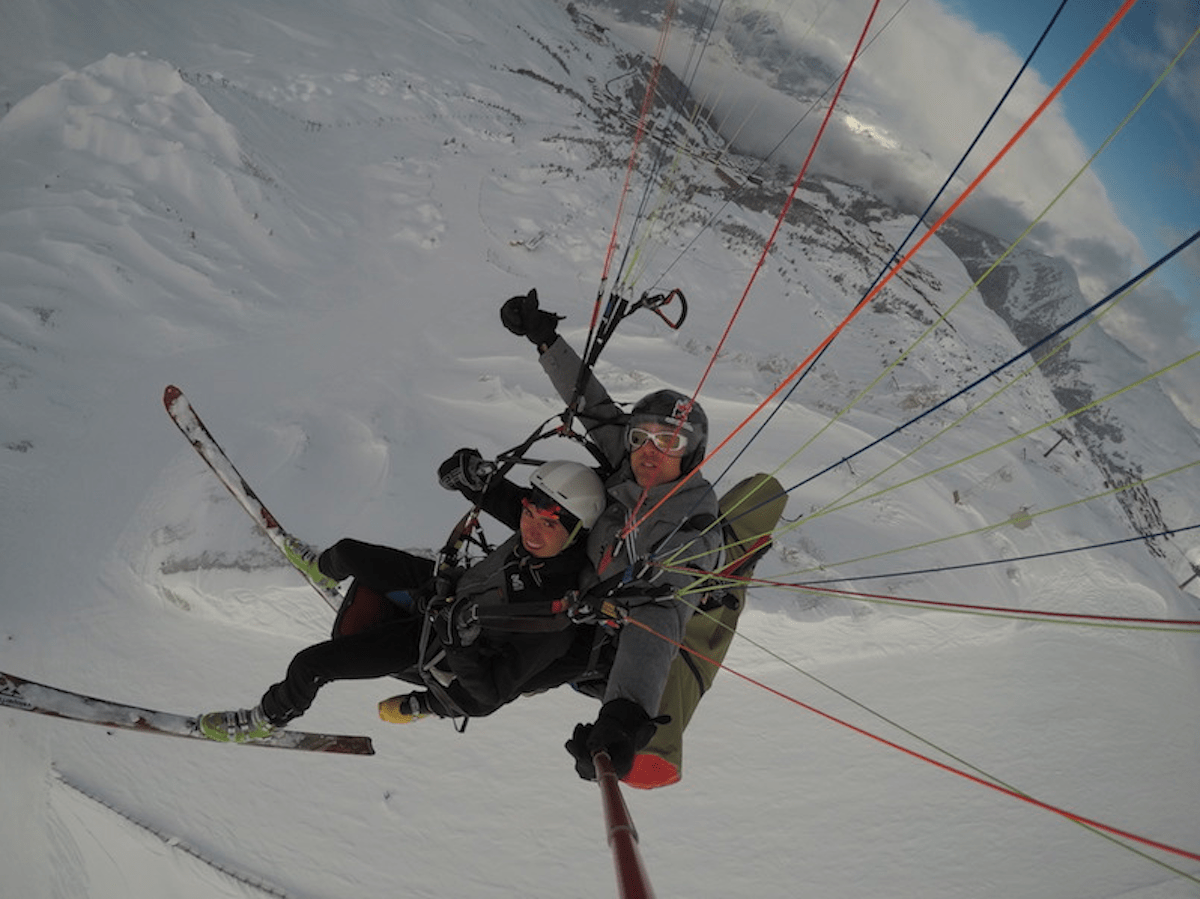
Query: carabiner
(657,301)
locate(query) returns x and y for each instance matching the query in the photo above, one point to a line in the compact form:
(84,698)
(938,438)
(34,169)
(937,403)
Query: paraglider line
(1007,791)
(862,304)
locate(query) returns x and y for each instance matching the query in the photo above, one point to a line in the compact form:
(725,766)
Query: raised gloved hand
(465,470)
(523,317)
(621,729)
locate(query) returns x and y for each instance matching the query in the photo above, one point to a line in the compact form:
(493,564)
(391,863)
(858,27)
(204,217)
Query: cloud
(923,87)
(1174,25)
(1154,324)
(1189,258)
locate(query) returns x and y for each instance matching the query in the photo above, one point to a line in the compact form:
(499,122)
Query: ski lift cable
(987,170)
(975,778)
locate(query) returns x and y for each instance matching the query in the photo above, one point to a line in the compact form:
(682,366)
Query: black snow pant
(388,648)
(381,568)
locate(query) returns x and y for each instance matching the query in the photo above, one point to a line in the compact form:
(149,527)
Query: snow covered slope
(308,218)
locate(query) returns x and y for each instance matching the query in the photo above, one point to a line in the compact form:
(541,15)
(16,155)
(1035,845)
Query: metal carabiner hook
(656,303)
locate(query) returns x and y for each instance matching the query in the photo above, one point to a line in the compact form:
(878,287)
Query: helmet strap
(574,533)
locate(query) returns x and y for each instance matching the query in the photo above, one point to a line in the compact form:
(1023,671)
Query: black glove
(621,729)
(523,317)
(465,470)
(456,622)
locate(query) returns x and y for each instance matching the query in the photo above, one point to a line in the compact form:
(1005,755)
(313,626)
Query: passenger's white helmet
(575,488)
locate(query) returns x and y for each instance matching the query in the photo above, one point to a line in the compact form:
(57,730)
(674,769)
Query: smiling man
(650,513)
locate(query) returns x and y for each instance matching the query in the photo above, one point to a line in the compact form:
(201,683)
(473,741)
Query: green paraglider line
(886,279)
(974,778)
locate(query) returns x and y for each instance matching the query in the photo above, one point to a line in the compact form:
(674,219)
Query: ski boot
(304,557)
(405,709)
(236,726)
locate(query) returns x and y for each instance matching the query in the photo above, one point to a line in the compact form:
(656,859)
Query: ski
(210,451)
(30,696)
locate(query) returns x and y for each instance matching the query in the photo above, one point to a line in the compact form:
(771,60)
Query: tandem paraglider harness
(599,613)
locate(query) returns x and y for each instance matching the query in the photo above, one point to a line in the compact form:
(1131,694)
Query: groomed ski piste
(307,219)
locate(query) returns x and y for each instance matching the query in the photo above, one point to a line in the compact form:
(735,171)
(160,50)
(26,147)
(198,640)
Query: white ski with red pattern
(210,451)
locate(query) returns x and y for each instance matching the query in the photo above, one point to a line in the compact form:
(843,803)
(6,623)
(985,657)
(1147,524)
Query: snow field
(308,225)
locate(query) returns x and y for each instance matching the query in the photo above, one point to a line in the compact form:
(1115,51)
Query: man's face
(544,537)
(652,466)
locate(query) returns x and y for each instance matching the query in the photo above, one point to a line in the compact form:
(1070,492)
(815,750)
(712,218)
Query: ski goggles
(670,443)
(543,506)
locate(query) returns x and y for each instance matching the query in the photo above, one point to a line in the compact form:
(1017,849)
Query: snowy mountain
(308,219)
(1129,437)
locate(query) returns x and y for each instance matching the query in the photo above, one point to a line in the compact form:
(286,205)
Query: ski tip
(170,395)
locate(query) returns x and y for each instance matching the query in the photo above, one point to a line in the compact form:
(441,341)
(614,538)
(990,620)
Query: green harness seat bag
(750,512)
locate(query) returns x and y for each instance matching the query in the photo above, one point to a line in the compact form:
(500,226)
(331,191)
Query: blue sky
(929,78)
(932,74)
(1152,170)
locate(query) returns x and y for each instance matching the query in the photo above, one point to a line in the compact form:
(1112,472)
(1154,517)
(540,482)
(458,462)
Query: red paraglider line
(886,279)
(1045,806)
(762,259)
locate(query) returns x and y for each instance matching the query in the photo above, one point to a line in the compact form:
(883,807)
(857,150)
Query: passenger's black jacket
(499,665)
